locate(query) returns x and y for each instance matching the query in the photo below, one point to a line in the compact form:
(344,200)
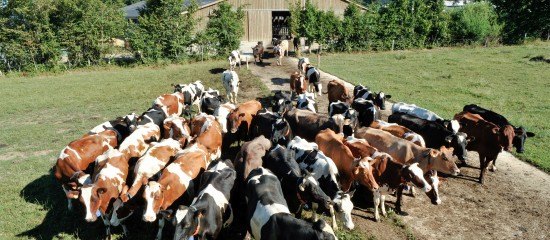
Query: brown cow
(331,144)
(298,83)
(307,124)
(174,182)
(489,139)
(399,131)
(75,159)
(208,133)
(177,128)
(241,117)
(360,148)
(406,152)
(170,103)
(99,196)
(337,91)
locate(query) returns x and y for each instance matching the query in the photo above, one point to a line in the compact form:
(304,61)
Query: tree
(475,23)
(524,18)
(225,28)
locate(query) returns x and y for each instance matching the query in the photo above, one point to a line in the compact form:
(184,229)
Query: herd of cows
(168,164)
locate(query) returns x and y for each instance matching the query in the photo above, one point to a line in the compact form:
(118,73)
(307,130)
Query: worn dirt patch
(512,204)
(14,155)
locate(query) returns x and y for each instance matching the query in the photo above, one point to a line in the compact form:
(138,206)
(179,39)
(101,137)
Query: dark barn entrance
(281,22)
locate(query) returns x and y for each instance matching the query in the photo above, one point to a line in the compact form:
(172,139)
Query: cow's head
(177,128)
(519,139)
(506,137)
(343,206)
(358,88)
(91,198)
(154,198)
(415,176)
(131,121)
(363,173)
(380,100)
(326,232)
(433,180)
(121,211)
(281,103)
(442,160)
(189,222)
(458,142)
(310,191)
(235,120)
(178,87)
(280,130)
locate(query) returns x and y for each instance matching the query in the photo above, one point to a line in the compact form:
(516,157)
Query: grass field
(41,115)
(502,79)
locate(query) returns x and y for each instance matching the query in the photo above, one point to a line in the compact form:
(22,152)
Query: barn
(264,19)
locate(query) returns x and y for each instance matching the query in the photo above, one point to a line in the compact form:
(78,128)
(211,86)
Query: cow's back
(399,149)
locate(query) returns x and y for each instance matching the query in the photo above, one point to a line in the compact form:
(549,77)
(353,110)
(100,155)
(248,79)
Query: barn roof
(132,11)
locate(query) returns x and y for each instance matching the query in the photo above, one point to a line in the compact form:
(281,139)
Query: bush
(475,23)
(224,29)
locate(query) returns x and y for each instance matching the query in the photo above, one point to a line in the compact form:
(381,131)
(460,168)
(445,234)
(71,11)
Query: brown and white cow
(250,156)
(208,132)
(360,148)
(331,144)
(99,196)
(177,128)
(222,115)
(307,124)
(298,83)
(337,91)
(138,142)
(399,131)
(151,164)
(258,52)
(303,63)
(170,103)
(124,126)
(241,117)
(489,139)
(406,152)
(76,157)
(174,182)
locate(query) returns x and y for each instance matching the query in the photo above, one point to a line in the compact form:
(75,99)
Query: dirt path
(513,203)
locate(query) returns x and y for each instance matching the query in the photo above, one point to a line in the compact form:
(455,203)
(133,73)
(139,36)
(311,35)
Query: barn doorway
(281,24)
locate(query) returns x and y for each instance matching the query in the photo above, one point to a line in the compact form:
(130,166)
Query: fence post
(246,62)
(319,61)
(392,44)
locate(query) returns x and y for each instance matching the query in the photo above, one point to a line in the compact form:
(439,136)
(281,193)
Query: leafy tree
(524,18)
(475,23)
(164,31)
(225,28)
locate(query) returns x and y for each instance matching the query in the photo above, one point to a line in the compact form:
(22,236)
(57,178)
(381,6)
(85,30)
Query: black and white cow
(341,111)
(306,101)
(303,63)
(191,94)
(123,126)
(367,111)
(435,135)
(269,216)
(153,115)
(423,113)
(205,216)
(281,102)
(210,101)
(231,83)
(311,159)
(297,189)
(313,77)
(273,126)
(521,133)
(360,91)
(234,59)
(380,100)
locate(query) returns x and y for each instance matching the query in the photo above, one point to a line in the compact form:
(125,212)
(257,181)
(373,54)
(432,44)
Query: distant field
(41,115)
(444,80)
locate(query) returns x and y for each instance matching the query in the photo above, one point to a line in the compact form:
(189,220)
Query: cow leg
(314,207)
(483,164)
(333,215)
(69,200)
(376,200)
(161,226)
(383,204)
(399,201)
(107,224)
(413,191)
(493,167)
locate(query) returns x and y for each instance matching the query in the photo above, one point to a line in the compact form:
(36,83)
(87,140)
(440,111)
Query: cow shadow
(46,192)
(59,222)
(280,81)
(262,64)
(217,70)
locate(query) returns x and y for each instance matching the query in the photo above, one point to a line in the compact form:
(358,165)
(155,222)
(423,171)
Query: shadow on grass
(217,70)
(280,81)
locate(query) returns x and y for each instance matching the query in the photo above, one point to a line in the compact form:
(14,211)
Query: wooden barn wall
(259,26)
(271,5)
(204,14)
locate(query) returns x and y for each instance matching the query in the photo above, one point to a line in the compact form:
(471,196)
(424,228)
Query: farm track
(513,203)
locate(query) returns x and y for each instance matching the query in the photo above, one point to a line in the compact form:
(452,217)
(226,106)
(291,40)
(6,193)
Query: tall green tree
(225,28)
(523,18)
(165,30)
(475,23)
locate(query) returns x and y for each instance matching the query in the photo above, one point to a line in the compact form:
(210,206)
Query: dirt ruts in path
(513,203)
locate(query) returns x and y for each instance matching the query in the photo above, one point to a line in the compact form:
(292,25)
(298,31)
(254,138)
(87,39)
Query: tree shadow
(280,81)
(217,70)
(262,64)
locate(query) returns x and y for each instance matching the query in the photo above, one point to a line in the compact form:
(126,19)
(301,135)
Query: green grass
(502,79)
(41,115)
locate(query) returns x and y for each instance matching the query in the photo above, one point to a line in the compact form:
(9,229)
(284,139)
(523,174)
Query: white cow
(279,52)
(306,101)
(302,65)
(234,59)
(231,83)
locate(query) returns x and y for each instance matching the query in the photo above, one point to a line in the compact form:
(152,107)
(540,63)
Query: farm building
(264,19)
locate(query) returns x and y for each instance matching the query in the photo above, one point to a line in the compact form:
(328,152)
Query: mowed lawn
(502,79)
(41,115)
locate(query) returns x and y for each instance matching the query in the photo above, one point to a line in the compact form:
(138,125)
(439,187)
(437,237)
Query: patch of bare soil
(512,204)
